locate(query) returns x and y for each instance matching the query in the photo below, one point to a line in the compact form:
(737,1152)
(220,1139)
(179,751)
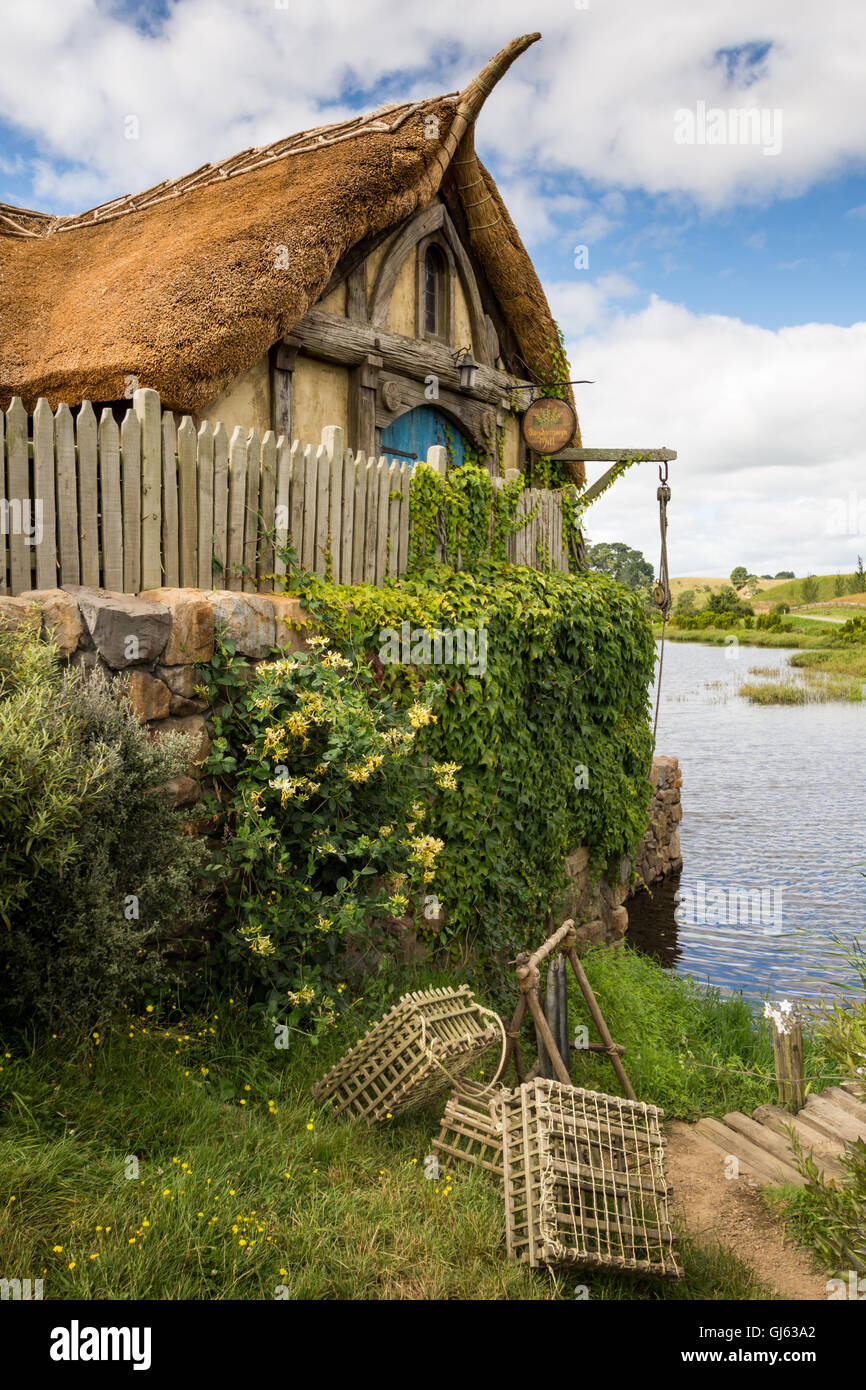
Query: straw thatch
(181,286)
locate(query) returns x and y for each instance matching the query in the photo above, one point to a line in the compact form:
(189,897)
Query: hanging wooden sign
(549,425)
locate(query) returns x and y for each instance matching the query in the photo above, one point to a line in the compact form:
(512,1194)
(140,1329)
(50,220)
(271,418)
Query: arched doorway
(412,434)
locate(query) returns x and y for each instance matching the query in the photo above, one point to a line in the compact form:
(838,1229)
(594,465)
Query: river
(773,829)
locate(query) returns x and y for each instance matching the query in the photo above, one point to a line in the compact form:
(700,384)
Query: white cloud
(769,427)
(597,97)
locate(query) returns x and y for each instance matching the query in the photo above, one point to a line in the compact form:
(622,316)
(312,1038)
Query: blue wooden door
(411,435)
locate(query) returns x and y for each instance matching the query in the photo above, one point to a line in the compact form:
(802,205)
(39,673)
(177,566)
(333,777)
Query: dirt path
(730,1211)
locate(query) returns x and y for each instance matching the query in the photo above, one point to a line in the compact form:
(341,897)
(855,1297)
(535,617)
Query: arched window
(435,281)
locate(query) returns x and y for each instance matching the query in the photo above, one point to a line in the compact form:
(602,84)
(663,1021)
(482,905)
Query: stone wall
(157,638)
(596,901)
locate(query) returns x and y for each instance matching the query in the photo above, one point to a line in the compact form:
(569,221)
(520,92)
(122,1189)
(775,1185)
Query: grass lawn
(188,1160)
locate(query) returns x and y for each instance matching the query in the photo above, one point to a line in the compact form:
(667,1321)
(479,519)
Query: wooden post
(790,1076)
(512,1046)
(598,1020)
(549,1041)
(147,406)
(557,1016)
(563,1036)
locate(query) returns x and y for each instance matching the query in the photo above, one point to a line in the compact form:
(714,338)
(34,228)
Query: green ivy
(568,664)
(464,514)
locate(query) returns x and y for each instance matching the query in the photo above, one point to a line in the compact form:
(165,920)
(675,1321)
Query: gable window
(435,282)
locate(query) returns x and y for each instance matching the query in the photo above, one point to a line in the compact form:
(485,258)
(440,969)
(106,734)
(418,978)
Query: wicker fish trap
(471,1131)
(416,1051)
(584,1180)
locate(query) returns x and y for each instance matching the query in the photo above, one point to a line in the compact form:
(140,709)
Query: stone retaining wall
(157,638)
(598,904)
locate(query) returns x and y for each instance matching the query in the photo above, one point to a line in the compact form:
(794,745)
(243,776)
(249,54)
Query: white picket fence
(149,503)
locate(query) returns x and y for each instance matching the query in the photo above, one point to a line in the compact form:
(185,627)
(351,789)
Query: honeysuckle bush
(552,740)
(323,802)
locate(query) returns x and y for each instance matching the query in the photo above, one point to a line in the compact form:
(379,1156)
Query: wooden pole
(598,1020)
(551,1012)
(562,1036)
(552,1050)
(512,1046)
(790,1073)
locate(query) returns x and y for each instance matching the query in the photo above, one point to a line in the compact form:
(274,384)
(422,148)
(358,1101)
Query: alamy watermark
(18,1290)
(730,907)
(458,646)
(738,125)
(21,517)
(846,516)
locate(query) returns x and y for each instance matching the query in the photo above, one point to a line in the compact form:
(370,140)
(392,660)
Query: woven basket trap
(584,1180)
(411,1055)
(470,1131)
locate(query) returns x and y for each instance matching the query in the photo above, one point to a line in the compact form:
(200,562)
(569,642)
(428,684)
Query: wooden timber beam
(617,455)
(335,339)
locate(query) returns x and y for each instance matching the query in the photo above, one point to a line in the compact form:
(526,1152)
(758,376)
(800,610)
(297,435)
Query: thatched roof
(179,285)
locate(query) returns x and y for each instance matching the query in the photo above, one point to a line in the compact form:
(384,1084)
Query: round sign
(549,425)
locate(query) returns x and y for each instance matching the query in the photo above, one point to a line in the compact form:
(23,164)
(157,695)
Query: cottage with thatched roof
(335,277)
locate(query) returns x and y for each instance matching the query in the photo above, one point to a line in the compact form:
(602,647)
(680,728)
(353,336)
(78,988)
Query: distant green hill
(792,590)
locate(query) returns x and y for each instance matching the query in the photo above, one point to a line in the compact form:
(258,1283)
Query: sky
(689,178)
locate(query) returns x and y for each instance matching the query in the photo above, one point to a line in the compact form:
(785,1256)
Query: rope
(457,1082)
(662,590)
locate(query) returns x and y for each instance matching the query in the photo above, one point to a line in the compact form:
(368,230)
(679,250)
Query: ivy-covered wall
(543,707)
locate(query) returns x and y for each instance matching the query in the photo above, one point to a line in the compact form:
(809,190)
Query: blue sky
(722,308)
(792,260)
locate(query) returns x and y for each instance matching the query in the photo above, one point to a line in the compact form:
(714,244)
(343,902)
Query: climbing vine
(549,733)
(464,514)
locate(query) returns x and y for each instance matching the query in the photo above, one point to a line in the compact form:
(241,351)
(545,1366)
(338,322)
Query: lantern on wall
(468,368)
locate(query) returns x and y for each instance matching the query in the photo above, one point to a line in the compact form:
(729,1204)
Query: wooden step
(778,1145)
(825,1150)
(854,1088)
(767,1168)
(845,1126)
(846,1102)
(721,1151)
(821,1126)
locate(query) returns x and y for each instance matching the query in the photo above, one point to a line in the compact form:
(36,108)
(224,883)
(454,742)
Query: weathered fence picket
(148,501)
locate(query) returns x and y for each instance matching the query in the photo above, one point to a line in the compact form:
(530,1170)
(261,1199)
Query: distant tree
(838,586)
(622,563)
(726,601)
(686,602)
(786,574)
(739,576)
(766,576)
(753,581)
(810,589)
(859,578)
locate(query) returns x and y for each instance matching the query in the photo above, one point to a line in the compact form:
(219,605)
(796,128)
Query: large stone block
(126,629)
(247,620)
(618,921)
(183,790)
(149,697)
(20,612)
(288,612)
(181,680)
(577,862)
(665,772)
(61,619)
(192,625)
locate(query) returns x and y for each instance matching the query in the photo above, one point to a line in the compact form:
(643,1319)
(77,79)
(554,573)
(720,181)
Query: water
(774,804)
